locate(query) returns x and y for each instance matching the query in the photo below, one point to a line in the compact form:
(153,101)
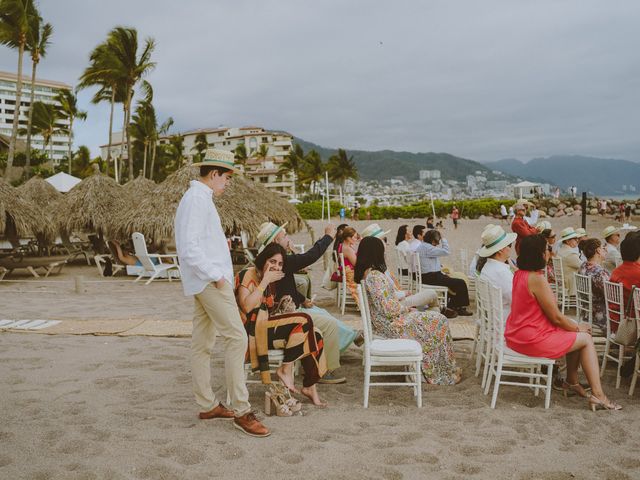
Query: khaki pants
(216,311)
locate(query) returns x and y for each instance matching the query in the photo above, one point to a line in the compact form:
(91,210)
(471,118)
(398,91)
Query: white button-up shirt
(202,246)
(499,275)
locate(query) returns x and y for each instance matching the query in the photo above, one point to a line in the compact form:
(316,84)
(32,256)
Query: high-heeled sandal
(294,405)
(569,389)
(596,404)
(274,404)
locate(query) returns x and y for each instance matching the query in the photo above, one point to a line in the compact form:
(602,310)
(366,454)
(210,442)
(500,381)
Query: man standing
(503,213)
(521,226)
(207,274)
(613,258)
(337,336)
(455,215)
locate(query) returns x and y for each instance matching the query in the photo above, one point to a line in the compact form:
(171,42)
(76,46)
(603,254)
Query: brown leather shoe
(219,411)
(250,425)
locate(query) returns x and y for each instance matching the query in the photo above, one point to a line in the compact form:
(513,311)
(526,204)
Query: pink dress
(528,331)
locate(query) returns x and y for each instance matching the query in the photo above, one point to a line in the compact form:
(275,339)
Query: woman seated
(403,238)
(536,327)
(391,319)
(127,258)
(348,249)
(595,253)
(292,332)
(550,237)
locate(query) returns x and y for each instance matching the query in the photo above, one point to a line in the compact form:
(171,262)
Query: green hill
(386,164)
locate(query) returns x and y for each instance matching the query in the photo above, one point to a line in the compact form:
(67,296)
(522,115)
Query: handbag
(627,333)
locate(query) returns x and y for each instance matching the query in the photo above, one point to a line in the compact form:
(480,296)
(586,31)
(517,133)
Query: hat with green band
(268,231)
(374,230)
(219,158)
(494,239)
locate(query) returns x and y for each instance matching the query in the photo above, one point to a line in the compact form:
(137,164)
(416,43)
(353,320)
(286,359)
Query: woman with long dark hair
(536,327)
(391,319)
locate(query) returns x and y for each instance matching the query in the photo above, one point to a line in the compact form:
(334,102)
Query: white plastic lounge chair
(161,270)
(394,352)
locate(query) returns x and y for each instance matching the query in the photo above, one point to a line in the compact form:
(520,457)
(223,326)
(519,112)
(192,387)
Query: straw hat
(567,234)
(494,238)
(543,225)
(581,232)
(219,158)
(519,206)
(374,230)
(268,231)
(610,230)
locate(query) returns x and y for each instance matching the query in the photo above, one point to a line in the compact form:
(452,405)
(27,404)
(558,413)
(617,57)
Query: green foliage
(468,208)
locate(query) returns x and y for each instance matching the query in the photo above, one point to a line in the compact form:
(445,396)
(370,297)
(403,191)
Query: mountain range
(386,164)
(603,176)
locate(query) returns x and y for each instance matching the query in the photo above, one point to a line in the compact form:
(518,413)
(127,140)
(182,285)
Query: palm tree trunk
(70,155)
(144,160)
(129,150)
(153,160)
(51,149)
(27,163)
(16,114)
(124,127)
(113,102)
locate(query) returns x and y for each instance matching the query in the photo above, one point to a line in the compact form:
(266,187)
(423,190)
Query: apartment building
(44,91)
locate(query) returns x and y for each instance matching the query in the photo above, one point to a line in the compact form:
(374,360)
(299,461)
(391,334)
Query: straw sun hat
(268,231)
(543,225)
(374,230)
(219,158)
(567,234)
(610,230)
(494,238)
(581,232)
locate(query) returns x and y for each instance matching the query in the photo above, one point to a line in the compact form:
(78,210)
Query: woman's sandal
(596,404)
(274,404)
(294,405)
(575,389)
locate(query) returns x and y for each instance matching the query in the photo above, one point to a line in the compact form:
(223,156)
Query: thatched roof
(39,192)
(20,217)
(93,205)
(244,206)
(139,188)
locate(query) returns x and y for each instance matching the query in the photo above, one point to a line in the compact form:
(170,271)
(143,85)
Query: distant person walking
(342,214)
(627,212)
(512,214)
(455,215)
(603,207)
(503,213)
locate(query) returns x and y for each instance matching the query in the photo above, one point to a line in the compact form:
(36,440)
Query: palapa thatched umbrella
(139,188)
(92,206)
(39,193)
(244,206)
(20,218)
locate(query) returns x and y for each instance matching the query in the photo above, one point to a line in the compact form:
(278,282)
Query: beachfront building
(44,91)
(262,170)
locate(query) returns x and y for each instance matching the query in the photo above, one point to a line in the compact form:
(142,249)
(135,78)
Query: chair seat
(513,356)
(395,347)
(275,355)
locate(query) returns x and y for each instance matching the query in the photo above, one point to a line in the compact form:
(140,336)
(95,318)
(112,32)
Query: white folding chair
(395,352)
(565,301)
(338,289)
(614,302)
(506,362)
(415,272)
(482,344)
(584,298)
(275,360)
(636,308)
(153,270)
(403,266)
(345,296)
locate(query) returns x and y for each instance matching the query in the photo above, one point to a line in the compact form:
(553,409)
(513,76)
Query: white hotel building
(264,171)
(45,91)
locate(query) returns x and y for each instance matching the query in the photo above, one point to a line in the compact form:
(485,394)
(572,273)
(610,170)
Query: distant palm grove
(115,74)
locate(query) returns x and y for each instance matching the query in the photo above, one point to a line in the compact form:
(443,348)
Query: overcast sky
(480,79)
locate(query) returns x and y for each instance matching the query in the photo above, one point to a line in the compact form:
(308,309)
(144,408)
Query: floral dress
(390,319)
(598,276)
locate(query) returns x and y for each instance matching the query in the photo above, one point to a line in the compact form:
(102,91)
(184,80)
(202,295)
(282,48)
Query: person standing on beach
(207,274)
(503,213)
(455,215)
(521,226)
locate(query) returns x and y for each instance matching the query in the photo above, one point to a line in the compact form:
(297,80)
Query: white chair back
(140,247)
(483,305)
(365,315)
(613,299)
(497,319)
(636,303)
(402,264)
(584,298)
(343,270)
(559,274)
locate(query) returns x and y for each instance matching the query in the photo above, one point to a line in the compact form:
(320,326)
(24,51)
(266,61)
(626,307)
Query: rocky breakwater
(553,207)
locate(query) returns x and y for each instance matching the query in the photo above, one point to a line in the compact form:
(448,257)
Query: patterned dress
(598,276)
(390,319)
(292,332)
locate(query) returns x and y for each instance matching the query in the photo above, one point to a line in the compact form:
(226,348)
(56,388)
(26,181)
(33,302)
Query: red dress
(528,331)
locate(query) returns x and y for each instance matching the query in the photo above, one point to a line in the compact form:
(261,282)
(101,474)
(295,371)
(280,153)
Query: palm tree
(293,163)
(160,132)
(69,111)
(37,43)
(341,168)
(174,152)
(240,154)
(82,162)
(144,125)
(103,72)
(261,153)
(131,67)
(200,146)
(16,17)
(46,118)
(313,169)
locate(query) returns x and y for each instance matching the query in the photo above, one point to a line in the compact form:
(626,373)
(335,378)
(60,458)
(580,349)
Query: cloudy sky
(484,79)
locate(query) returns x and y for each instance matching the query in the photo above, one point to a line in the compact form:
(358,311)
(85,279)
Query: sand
(109,407)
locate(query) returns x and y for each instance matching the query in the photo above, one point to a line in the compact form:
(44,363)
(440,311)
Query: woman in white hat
(493,263)
(570,256)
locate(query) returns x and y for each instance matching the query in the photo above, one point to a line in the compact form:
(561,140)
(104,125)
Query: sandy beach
(121,407)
